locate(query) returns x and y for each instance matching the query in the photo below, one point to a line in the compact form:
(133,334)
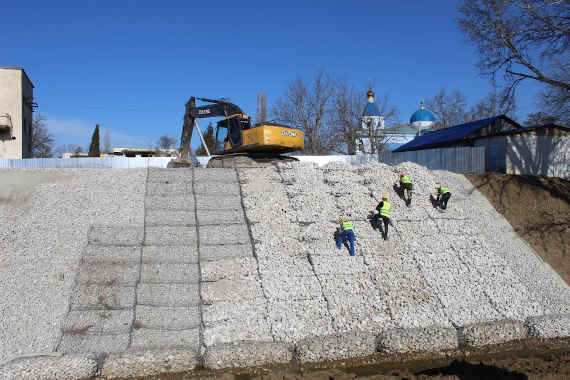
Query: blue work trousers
(343,235)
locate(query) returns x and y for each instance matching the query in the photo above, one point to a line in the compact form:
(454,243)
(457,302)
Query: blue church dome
(371,108)
(422,115)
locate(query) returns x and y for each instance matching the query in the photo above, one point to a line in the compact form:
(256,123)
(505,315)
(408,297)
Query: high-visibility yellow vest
(405,179)
(347,226)
(385,210)
(443,190)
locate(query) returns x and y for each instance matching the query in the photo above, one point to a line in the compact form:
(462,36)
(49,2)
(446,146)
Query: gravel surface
(46,219)
(441,270)
(240,267)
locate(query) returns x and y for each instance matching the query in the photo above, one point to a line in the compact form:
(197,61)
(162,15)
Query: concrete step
(234,216)
(166,253)
(166,217)
(222,252)
(167,273)
(168,294)
(98,321)
(83,342)
(148,339)
(223,202)
(109,273)
(243,289)
(174,202)
(217,188)
(170,235)
(159,175)
(168,317)
(102,297)
(115,235)
(224,234)
(215,175)
(168,189)
(112,253)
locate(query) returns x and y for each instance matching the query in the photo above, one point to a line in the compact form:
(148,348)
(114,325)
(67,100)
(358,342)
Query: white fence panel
(457,160)
(87,163)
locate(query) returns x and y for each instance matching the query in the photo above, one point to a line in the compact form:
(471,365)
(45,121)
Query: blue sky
(131,65)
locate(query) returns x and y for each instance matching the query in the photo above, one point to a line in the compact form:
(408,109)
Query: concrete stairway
(138,287)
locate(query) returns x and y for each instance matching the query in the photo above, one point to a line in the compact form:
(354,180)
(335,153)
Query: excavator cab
(229,132)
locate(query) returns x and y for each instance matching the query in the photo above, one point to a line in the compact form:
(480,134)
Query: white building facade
(16,113)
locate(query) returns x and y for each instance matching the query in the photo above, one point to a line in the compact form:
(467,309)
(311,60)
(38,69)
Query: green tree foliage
(210,141)
(94,148)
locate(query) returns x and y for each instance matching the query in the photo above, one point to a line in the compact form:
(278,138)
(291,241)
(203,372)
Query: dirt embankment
(538,208)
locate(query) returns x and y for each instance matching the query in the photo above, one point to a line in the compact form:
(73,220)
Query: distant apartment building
(16,107)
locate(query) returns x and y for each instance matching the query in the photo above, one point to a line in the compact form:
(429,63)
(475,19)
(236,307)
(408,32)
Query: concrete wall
(538,155)
(11,103)
(494,153)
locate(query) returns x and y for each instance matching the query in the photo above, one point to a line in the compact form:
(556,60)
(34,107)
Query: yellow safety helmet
(384,197)
(343,220)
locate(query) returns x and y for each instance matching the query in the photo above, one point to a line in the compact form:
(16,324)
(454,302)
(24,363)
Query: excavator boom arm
(217,108)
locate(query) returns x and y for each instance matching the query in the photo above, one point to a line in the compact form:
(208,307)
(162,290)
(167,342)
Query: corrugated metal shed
(443,137)
(538,128)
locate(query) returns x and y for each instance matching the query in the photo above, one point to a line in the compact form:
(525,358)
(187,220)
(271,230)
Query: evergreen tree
(210,141)
(94,148)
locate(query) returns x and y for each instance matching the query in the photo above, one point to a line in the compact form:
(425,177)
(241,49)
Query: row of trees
(328,111)
(43,142)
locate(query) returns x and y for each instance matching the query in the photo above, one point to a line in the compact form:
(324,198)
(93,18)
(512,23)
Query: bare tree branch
(308,106)
(516,36)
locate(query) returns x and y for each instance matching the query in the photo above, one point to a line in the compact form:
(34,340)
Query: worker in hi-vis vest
(405,184)
(346,231)
(443,195)
(384,208)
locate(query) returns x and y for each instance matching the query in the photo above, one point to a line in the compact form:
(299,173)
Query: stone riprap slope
(226,267)
(448,270)
(45,218)
(138,286)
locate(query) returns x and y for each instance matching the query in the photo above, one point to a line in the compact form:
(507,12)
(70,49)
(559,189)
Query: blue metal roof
(371,109)
(422,115)
(447,135)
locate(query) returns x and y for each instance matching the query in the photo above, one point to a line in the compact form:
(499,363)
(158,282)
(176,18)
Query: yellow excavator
(239,143)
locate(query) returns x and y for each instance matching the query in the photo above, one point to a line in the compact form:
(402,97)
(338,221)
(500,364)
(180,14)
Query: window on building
(5,127)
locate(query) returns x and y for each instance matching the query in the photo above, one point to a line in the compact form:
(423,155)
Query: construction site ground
(184,272)
(538,208)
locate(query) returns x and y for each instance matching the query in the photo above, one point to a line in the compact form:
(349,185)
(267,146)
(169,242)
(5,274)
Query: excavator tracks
(244,160)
